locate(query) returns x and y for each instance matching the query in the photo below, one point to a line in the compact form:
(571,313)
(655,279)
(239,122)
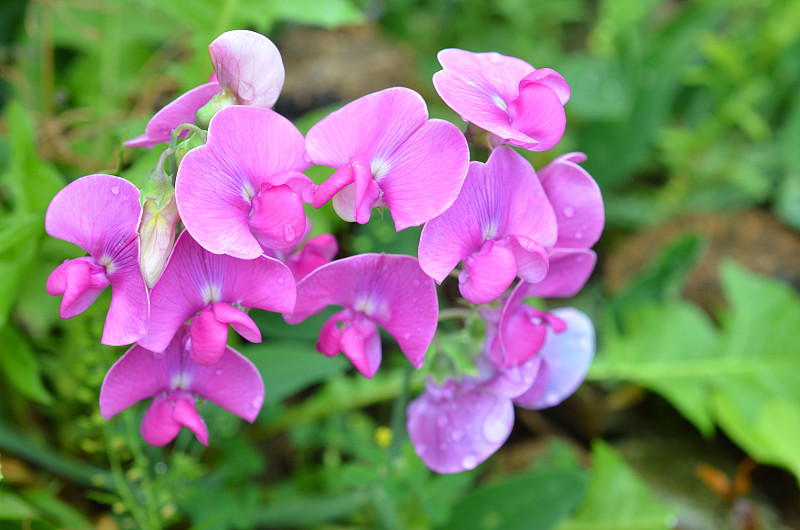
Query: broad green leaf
(531,501)
(618,499)
(305,511)
(19,240)
(12,508)
(55,509)
(20,367)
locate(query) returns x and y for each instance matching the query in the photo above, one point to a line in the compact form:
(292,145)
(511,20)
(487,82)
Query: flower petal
(239,320)
(278,220)
(317,251)
(158,426)
(568,272)
(248,65)
(539,115)
(361,343)
(209,338)
(487,273)
(185,414)
(81,281)
(137,375)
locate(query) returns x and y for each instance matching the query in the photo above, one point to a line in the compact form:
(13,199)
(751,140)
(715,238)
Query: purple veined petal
(278,220)
(239,321)
(137,375)
(423,177)
(195,278)
(391,290)
(330,335)
(576,200)
(341,178)
(454,428)
(539,115)
(487,273)
(248,65)
(361,343)
(569,270)
(360,127)
(551,78)
(523,330)
(317,251)
(81,213)
(246,147)
(80,281)
(181,110)
(233,383)
(512,381)
(533,395)
(209,337)
(129,313)
(567,355)
(531,258)
(185,414)
(158,426)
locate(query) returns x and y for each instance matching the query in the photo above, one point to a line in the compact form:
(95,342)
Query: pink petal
(539,115)
(246,148)
(129,312)
(551,78)
(317,251)
(391,290)
(456,427)
(278,219)
(158,426)
(81,281)
(185,414)
(233,383)
(80,214)
(137,375)
(423,176)
(567,355)
(487,273)
(239,320)
(249,66)
(530,257)
(361,343)
(181,110)
(342,177)
(576,200)
(359,128)
(209,338)
(330,336)
(568,272)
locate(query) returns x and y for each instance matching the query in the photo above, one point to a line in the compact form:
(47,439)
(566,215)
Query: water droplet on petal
(442,422)
(536,321)
(457,435)
(158,355)
(288,233)
(416,283)
(280,280)
(218,372)
(578,235)
(406,335)
(494,428)
(469,462)
(115,190)
(569,211)
(257,401)
(421,449)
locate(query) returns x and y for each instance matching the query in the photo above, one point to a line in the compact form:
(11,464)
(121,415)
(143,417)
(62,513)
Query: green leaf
(289,367)
(530,501)
(20,368)
(13,508)
(618,499)
(19,239)
(306,511)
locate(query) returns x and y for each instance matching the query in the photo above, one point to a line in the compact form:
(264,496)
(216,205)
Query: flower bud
(157,236)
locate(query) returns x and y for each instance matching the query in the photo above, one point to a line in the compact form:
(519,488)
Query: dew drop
(442,422)
(406,335)
(160,468)
(280,280)
(457,435)
(115,190)
(578,235)
(421,449)
(536,321)
(158,355)
(494,59)
(288,233)
(495,428)
(218,372)
(257,401)
(569,211)
(469,462)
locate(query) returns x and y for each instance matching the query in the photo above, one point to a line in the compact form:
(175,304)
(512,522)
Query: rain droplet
(578,235)
(416,283)
(406,335)
(257,401)
(280,280)
(160,468)
(218,372)
(569,211)
(115,190)
(494,428)
(494,59)
(442,422)
(421,449)
(158,355)
(288,233)
(536,321)
(469,462)
(457,435)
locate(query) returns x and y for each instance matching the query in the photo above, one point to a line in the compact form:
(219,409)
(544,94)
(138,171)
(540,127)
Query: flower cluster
(239,190)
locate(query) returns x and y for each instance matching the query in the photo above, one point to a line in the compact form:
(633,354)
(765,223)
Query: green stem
(123,488)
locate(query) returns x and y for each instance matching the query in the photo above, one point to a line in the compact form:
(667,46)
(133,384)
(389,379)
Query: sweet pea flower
(211,289)
(316,252)
(505,96)
(174,381)
(242,191)
(374,289)
(501,225)
(100,214)
(458,425)
(387,152)
(249,71)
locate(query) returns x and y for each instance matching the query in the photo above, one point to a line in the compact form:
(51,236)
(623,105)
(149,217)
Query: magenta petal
(81,281)
(359,128)
(328,343)
(246,148)
(567,356)
(342,177)
(361,343)
(179,111)
(530,256)
(185,414)
(456,427)
(278,218)
(512,381)
(233,383)
(249,66)
(487,273)
(539,115)
(522,333)
(568,272)
(550,78)
(576,200)
(533,395)
(239,320)
(80,214)
(423,177)
(158,426)
(129,312)
(390,289)
(137,375)
(209,337)
(366,191)
(317,251)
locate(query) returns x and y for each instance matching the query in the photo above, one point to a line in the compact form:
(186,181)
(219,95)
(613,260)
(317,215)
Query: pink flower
(374,289)
(210,289)
(100,214)
(249,71)
(505,96)
(500,225)
(387,152)
(173,380)
(243,189)
(316,252)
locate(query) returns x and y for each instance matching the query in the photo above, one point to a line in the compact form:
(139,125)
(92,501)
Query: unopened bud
(157,236)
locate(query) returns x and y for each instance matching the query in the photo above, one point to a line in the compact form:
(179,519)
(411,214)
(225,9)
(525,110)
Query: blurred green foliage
(680,107)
